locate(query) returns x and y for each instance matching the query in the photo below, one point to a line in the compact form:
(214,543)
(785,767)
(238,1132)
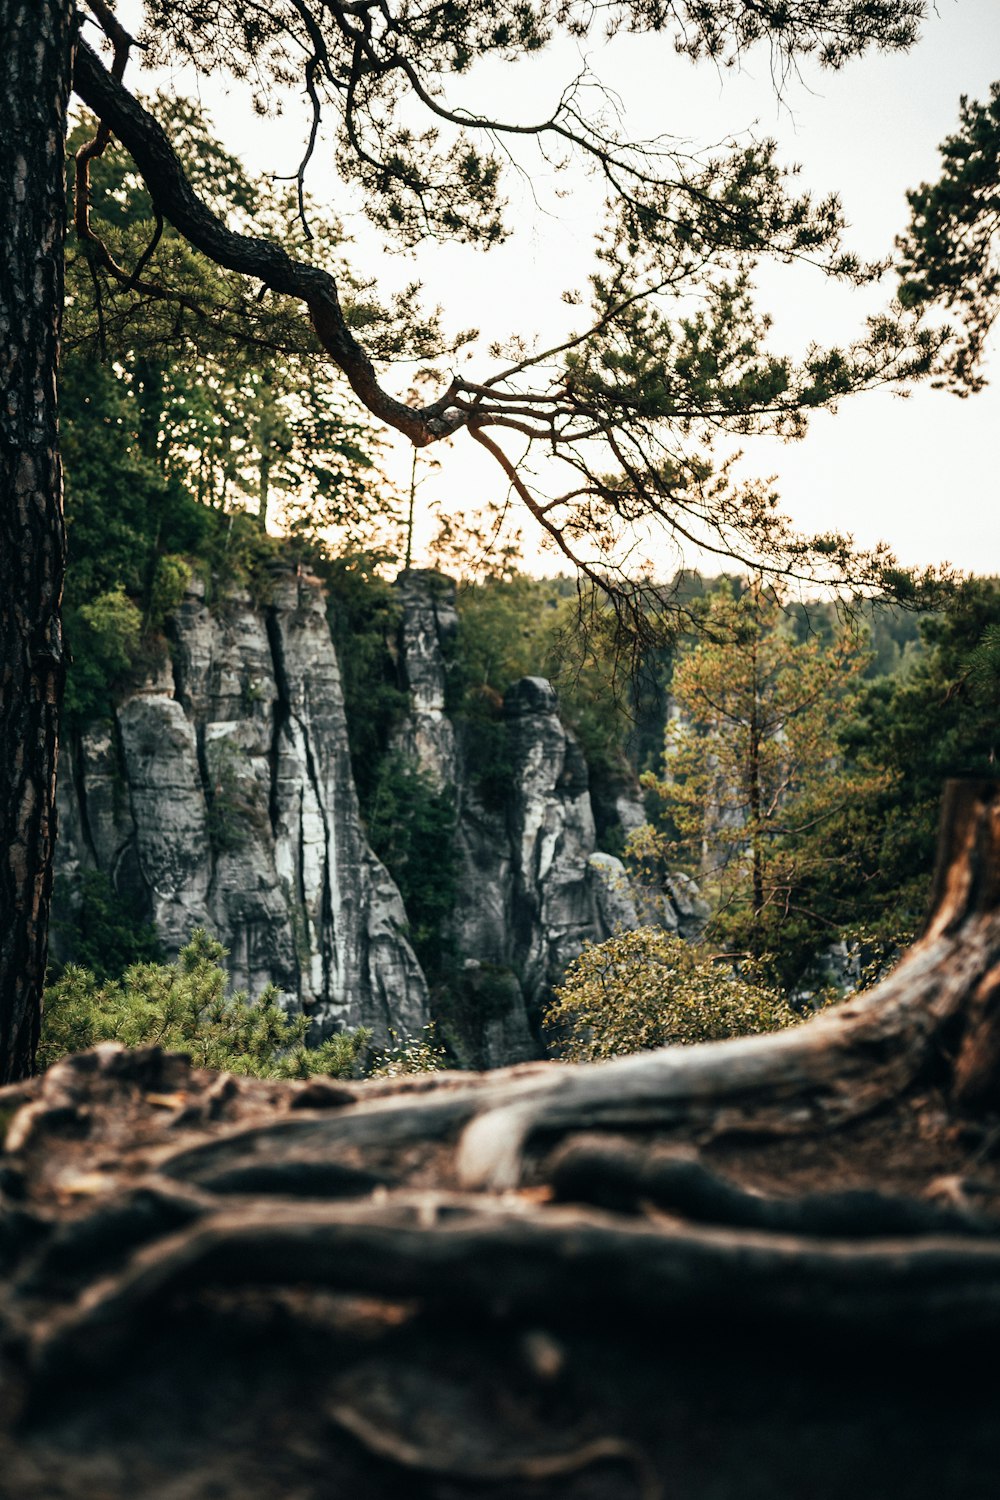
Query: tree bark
(34,79)
(757,854)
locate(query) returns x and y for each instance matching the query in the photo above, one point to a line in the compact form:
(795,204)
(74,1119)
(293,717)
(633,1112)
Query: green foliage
(486,736)
(753,776)
(122,506)
(171,577)
(474,996)
(411,824)
(339,1056)
(415,1054)
(105,636)
(875,950)
(939,721)
(184,1007)
(131,529)
(950,254)
(889,634)
(104,932)
(646,989)
(229,394)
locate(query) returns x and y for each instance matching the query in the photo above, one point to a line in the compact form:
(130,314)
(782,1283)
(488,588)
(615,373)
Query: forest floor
(214,1286)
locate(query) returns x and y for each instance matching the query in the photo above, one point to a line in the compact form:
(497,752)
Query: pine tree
(752,771)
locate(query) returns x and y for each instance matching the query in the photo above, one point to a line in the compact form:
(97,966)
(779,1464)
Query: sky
(920,473)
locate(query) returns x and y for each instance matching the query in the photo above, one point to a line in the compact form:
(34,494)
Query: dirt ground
(263,1321)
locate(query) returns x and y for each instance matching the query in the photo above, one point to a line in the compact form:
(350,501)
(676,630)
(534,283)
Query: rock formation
(223,795)
(532,885)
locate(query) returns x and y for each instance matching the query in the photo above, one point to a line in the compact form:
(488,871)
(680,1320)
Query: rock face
(222,796)
(532,885)
(429,627)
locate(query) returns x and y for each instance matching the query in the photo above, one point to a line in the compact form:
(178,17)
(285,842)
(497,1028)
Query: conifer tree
(752,769)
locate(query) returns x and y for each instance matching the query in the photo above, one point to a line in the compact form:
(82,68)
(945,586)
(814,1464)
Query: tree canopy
(670,353)
(753,775)
(949,253)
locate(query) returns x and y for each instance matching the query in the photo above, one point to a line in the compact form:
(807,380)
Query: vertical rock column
(429,625)
(225,679)
(552,829)
(361,967)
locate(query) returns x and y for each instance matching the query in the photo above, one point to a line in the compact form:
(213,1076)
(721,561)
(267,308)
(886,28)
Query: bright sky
(921,473)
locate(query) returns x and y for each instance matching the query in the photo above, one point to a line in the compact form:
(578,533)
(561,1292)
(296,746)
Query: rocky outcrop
(532,884)
(553,838)
(427,633)
(222,795)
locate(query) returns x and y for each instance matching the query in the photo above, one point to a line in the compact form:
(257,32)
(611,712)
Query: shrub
(465,1005)
(171,577)
(105,636)
(185,1007)
(646,989)
(415,1054)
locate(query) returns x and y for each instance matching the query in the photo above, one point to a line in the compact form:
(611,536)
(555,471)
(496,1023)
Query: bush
(646,989)
(465,1005)
(171,577)
(105,635)
(415,1054)
(184,1007)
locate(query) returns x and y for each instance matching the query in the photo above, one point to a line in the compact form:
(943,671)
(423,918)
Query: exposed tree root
(132,1186)
(617,1175)
(506,1262)
(529,1467)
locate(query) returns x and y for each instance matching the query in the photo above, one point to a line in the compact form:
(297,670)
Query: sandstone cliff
(223,795)
(532,885)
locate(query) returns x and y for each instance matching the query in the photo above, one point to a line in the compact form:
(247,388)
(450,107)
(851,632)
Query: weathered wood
(558,1264)
(621,1176)
(494,1468)
(121,1217)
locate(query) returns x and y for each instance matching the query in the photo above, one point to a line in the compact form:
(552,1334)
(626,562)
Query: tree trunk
(756,851)
(34,80)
